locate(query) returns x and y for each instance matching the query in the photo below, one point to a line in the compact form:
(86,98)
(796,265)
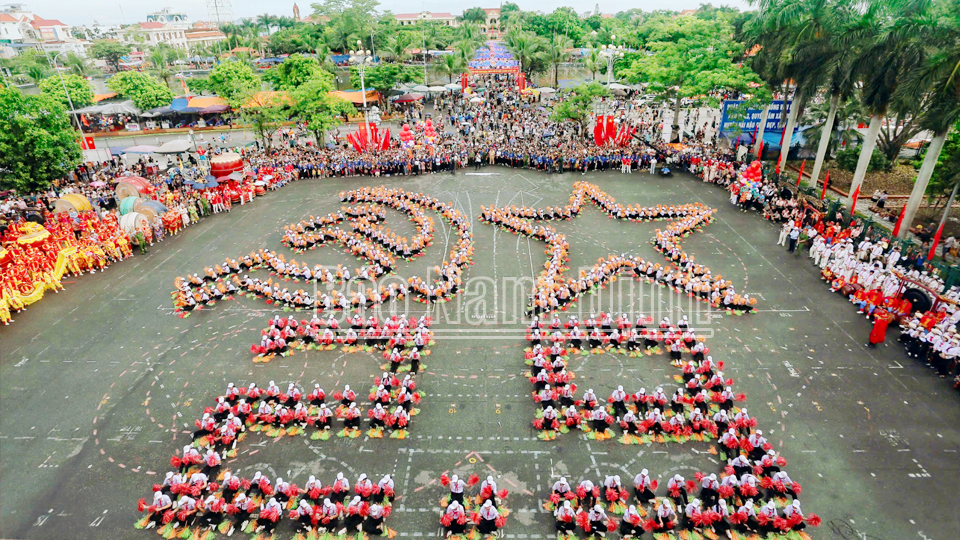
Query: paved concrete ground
(98,382)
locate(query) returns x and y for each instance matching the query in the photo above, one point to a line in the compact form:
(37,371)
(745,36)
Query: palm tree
(831,52)
(397,46)
(938,79)
(897,47)
(556,53)
(528,48)
(266,22)
(452,64)
(159,59)
(37,72)
(592,62)
(76,64)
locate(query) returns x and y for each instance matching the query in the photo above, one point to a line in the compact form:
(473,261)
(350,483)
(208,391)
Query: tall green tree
(314,106)
(557,51)
(474,14)
(528,48)
(350,20)
(262,114)
(577,106)
(690,57)
(295,70)
(146,91)
(894,32)
(452,64)
(109,51)
(81,93)
(383,77)
(37,142)
(937,83)
(233,80)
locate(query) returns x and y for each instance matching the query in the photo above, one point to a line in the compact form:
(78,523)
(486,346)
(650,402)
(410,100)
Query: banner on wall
(749,120)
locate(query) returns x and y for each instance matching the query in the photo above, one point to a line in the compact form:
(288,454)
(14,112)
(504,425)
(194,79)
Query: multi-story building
(409,19)
(491,26)
(171,17)
(21,29)
(149,34)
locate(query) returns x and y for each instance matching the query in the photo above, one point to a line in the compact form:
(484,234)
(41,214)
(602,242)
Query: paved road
(99,381)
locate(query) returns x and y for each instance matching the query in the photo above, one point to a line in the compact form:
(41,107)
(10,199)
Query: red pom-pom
(813,520)
(141,505)
(691,485)
(168,516)
(503,494)
(654,484)
(446,520)
(387,510)
(766,482)
(182,515)
(725,492)
(175,462)
(581,492)
(475,517)
(554,498)
(611,525)
(797,489)
(538,423)
(583,520)
(649,525)
(500,521)
(698,476)
(781,523)
(781,461)
(444,480)
(157,487)
(472,481)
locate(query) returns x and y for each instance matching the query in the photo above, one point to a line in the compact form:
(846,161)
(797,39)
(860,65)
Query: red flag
(755,128)
(611,131)
(800,176)
(896,228)
(936,240)
(826,181)
(760,153)
(385,144)
(856,195)
(522,82)
(463,82)
(598,131)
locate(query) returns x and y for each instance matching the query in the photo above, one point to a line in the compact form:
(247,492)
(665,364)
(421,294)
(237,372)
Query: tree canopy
(109,51)
(295,70)
(314,105)
(37,143)
(146,91)
(233,81)
(691,57)
(81,93)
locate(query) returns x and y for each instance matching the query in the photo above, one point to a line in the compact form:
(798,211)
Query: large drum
(226,163)
(133,186)
(72,201)
(129,204)
(133,222)
(150,209)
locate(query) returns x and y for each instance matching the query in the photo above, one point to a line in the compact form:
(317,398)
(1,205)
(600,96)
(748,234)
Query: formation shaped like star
(554,288)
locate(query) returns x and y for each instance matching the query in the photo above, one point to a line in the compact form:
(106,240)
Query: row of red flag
(605,132)
(376,139)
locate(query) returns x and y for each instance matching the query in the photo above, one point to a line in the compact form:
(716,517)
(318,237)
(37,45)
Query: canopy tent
(267,99)
(203,102)
(409,98)
(421,88)
(123,107)
(159,111)
(140,149)
(453,86)
(546,90)
(215,109)
(618,86)
(175,147)
(97,98)
(356,97)
(439,89)
(179,104)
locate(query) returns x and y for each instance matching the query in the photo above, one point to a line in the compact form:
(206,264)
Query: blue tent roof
(179,104)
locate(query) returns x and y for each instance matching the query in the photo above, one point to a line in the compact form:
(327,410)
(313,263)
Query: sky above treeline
(131,11)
